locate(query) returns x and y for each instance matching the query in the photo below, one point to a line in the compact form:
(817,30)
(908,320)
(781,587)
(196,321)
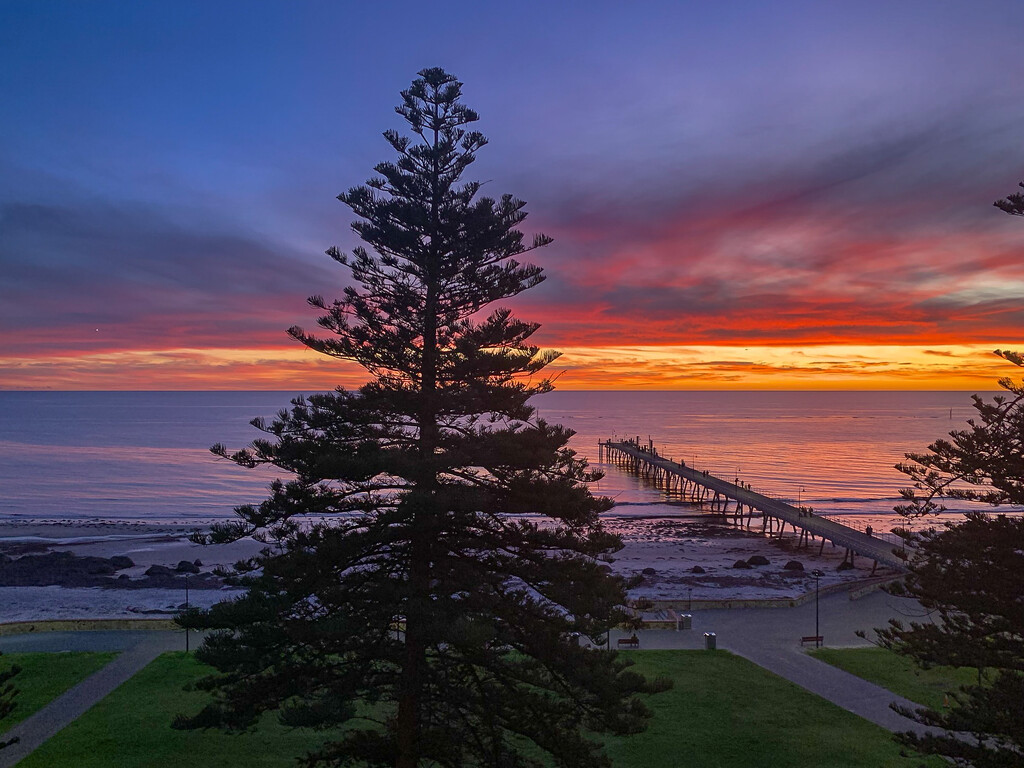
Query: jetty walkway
(776,514)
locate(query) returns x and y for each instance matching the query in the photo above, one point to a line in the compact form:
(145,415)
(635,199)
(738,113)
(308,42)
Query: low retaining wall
(856,590)
(84,625)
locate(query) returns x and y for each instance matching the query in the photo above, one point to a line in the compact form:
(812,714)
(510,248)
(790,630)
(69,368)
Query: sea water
(144,456)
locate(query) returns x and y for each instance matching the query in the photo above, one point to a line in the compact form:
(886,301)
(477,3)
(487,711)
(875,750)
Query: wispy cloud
(102,277)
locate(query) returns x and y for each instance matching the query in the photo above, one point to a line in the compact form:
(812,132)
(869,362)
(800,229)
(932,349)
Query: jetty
(776,514)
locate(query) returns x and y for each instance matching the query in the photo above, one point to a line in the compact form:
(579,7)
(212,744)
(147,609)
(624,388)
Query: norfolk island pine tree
(971,577)
(436,553)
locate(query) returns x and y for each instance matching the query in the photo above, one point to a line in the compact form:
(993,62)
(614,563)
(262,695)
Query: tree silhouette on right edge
(970,577)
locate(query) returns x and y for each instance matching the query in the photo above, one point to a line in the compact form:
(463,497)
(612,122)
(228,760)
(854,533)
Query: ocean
(144,456)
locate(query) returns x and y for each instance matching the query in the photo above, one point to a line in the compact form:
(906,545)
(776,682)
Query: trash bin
(685,621)
(710,641)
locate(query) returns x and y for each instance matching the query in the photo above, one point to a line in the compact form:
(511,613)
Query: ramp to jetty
(775,513)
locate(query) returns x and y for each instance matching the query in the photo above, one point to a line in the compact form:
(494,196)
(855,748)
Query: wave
(855,500)
(662,503)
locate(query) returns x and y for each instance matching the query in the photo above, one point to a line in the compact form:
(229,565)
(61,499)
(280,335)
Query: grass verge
(727,712)
(132,727)
(899,674)
(45,676)
(723,711)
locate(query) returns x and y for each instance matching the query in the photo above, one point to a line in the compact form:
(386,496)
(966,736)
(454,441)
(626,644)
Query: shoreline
(661,551)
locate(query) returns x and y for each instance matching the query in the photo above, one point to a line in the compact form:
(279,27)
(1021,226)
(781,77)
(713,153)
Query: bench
(816,639)
(629,642)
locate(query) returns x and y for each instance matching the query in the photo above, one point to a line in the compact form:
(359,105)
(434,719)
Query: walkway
(138,649)
(770,637)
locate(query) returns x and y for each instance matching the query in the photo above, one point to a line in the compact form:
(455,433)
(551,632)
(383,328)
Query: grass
(899,674)
(726,712)
(722,712)
(132,727)
(45,676)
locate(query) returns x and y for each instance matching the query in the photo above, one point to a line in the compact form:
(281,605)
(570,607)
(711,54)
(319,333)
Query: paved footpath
(770,637)
(137,650)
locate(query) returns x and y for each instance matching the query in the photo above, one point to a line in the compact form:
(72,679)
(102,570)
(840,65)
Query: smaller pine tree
(970,578)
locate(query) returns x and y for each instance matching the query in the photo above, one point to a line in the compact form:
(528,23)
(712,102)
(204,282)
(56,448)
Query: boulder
(844,566)
(793,565)
(56,568)
(120,562)
(197,562)
(94,566)
(649,572)
(697,569)
(186,567)
(741,564)
(757,560)
(159,570)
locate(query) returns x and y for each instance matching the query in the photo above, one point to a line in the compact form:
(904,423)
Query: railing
(857,525)
(714,473)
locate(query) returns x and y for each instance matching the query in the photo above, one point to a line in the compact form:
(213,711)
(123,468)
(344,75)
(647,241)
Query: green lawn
(44,676)
(132,727)
(723,711)
(898,673)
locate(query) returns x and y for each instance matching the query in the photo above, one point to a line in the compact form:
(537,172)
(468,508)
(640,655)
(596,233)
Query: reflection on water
(144,455)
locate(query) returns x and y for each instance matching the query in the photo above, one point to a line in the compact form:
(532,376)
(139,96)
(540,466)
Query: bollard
(710,641)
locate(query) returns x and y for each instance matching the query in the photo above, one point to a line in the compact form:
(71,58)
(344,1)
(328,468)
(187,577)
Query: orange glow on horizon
(697,367)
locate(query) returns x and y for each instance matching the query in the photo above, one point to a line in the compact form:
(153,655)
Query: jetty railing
(857,525)
(776,512)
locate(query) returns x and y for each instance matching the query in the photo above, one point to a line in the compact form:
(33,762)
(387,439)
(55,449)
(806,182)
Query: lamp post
(817,633)
(186,608)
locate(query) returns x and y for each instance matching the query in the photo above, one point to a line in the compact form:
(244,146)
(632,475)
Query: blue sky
(168,172)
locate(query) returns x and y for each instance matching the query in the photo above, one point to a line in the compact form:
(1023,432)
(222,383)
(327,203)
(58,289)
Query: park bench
(816,639)
(629,642)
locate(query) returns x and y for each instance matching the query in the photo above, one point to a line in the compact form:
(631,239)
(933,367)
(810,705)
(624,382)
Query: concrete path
(138,650)
(770,637)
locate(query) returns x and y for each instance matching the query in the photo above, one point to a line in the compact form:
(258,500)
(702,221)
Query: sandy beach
(663,551)
(145,545)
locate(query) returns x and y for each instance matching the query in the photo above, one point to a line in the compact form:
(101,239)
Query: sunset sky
(784,195)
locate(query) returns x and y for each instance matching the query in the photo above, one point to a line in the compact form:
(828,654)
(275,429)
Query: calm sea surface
(143,456)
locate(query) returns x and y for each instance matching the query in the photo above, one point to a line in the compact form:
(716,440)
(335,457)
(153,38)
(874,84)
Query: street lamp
(817,632)
(186,608)
(799,495)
